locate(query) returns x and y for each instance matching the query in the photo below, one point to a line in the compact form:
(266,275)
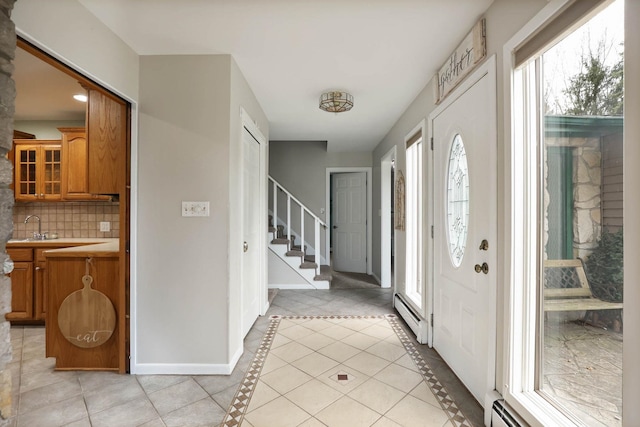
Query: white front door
(464,268)
(349,212)
(250,230)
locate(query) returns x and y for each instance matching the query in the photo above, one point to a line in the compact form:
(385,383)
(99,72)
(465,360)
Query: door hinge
(432,320)
(431,143)
(432,231)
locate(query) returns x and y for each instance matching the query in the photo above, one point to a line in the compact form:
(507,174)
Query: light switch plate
(105,226)
(195,208)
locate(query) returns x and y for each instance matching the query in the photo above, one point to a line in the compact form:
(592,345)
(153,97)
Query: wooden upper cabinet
(75,164)
(38,170)
(107,134)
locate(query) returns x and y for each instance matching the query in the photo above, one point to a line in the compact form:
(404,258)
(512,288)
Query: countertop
(70,247)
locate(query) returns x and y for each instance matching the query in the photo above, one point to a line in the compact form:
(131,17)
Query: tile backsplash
(68,219)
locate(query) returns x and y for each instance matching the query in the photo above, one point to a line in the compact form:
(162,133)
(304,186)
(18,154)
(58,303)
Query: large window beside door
(414,211)
(566,367)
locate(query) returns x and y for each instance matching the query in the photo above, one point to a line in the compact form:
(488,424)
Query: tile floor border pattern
(456,416)
(240,403)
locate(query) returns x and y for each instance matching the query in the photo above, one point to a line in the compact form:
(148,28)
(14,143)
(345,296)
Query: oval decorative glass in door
(457,201)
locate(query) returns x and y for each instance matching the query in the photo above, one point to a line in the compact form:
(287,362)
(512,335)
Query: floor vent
(503,416)
(418,325)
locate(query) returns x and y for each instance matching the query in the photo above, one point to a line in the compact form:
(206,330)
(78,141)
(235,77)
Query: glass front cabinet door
(37,170)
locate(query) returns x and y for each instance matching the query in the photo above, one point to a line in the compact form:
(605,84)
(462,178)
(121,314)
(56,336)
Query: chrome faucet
(38,235)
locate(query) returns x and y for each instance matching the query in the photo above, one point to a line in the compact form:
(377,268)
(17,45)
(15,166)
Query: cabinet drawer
(21,254)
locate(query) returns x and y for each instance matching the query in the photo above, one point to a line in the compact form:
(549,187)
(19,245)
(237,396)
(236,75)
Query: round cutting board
(86,317)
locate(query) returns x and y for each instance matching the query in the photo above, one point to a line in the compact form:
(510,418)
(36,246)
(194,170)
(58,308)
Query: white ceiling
(43,92)
(290,51)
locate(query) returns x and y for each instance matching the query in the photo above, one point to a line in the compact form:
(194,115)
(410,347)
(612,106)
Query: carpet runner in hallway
(340,371)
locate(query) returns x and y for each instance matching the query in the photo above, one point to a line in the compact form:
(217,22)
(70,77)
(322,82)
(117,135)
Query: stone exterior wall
(7,100)
(587,191)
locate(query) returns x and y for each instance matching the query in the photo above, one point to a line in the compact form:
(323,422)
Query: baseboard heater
(418,325)
(503,416)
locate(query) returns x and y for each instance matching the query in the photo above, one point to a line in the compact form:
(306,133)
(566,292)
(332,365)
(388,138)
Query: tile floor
(340,371)
(43,397)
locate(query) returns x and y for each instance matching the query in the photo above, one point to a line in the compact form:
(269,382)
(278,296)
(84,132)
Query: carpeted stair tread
(280,241)
(309,265)
(325,273)
(295,253)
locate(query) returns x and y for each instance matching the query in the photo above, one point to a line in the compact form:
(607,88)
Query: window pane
(580,370)
(413,192)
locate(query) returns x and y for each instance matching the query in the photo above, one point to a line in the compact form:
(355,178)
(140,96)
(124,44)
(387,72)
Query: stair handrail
(322,223)
(318,222)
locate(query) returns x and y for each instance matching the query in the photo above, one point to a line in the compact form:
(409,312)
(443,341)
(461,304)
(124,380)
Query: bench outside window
(566,288)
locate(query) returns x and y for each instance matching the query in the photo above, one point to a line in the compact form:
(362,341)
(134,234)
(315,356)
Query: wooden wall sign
(464,59)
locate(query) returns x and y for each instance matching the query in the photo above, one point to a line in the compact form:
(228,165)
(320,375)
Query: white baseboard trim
(290,286)
(183,369)
(379,280)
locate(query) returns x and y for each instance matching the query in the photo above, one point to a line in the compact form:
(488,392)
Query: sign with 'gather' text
(464,59)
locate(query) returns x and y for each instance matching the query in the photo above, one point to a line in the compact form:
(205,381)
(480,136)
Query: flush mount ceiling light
(336,102)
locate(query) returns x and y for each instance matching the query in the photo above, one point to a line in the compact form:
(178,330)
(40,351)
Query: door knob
(335,226)
(484,245)
(245,247)
(484,268)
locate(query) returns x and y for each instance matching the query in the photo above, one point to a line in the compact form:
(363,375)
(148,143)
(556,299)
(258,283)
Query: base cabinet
(22,293)
(67,273)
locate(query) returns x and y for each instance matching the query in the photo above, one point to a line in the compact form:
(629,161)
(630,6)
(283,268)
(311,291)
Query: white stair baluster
(289,220)
(316,243)
(302,231)
(275,209)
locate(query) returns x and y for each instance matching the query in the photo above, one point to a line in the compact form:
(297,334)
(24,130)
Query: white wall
(281,273)
(69,30)
(631,348)
(45,129)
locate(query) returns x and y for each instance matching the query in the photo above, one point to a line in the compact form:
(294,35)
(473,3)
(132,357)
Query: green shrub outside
(605,267)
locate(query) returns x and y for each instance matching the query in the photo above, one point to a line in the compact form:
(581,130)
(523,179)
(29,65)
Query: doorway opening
(387,232)
(100,186)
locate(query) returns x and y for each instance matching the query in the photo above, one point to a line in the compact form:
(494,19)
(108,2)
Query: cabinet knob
(38,268)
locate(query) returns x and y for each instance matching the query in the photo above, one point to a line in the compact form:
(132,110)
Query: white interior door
(250,230)
(349,212)
(464,133)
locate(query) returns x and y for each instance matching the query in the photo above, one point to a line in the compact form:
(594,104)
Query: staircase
(308,259)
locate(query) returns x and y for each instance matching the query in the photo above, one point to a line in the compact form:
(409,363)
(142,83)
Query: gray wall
(183,155)
(185,147)
(301,168)
(503,19)
(189,149)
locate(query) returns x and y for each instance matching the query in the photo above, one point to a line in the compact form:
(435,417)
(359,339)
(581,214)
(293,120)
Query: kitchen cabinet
(40,284)
(37,170)
(107,135)
(75,165)
(29,281)
(21,285)
(66,268)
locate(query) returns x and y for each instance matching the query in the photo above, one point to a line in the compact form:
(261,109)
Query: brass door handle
(484,268)
(484,245)
(245,247)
